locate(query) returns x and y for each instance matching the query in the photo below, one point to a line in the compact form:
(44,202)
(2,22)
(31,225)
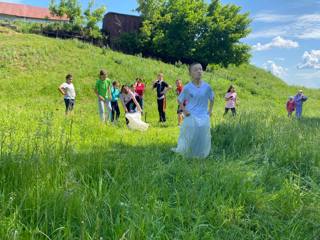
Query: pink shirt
(231,103)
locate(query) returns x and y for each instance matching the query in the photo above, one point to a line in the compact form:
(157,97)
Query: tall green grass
(75,178)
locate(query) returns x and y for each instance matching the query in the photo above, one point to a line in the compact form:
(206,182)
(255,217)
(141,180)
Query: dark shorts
(69,104)
(179,111)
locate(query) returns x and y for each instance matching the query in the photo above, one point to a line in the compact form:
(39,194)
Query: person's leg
(117,110)
(298,111)
(180,119)
(138,100)
(112,111)
(101,105)
(164,110)
(131,106)
(160,107)
(234,111)
(226,110)
(141,103)
(108,110)
(66,102)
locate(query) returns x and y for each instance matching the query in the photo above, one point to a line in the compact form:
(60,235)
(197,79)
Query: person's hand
(186,113)
(101,98)
(126,110)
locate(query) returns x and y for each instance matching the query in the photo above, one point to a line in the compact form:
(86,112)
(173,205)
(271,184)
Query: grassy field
(75,178)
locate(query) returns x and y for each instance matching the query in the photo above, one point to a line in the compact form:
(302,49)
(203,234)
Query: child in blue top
(115,94)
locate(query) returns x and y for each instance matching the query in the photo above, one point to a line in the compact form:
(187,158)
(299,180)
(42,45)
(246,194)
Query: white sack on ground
(135,122)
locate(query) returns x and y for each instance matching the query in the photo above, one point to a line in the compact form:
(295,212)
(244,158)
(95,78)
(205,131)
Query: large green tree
(192,30)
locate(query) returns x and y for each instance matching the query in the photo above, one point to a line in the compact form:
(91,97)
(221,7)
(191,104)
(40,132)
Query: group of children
(132,98)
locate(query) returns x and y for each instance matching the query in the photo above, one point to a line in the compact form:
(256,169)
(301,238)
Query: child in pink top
(231,101)
(291,106)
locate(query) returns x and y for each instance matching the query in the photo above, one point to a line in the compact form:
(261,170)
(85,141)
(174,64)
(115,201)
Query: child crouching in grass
(69,93)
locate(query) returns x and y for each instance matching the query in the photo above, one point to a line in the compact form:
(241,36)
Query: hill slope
(73,178)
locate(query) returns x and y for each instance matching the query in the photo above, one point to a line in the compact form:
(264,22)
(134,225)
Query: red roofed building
(13,12)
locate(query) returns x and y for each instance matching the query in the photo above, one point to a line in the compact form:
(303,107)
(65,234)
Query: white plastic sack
(195,137)
(135,122)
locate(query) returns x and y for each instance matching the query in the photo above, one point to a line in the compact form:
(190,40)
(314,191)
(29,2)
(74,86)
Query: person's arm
(136,102)
(123,105)
(181,99)
(183,108)
(166,89)
(100,97)
(154,84)
(109,92)
(211,107)
(211,99)
(61,89)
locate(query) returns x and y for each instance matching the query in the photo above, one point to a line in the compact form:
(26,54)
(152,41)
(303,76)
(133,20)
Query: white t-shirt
(197,98)
(69,90)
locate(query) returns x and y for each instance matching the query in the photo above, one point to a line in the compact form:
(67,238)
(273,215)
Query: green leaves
(86,21)
(192,30)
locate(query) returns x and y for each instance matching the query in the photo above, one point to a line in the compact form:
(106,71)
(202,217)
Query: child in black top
(162,87)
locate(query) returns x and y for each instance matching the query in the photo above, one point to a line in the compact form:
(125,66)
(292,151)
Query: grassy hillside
(74,178)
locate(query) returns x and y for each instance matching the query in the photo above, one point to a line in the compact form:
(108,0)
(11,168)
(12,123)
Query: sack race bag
(195,137)
(135,122)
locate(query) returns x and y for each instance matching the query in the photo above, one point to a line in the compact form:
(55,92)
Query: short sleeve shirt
(197,98)
(69,90)
(103,87)
(231,103)
(115,93)
(160,86)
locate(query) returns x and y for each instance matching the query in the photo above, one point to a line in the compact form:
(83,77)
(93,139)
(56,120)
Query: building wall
(115,24)
(14,18)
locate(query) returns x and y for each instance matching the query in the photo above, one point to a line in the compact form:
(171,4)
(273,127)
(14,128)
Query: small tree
(86,22)
(92,18)
(69,8)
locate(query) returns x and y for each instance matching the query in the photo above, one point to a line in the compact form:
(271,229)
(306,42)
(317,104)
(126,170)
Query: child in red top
(139,89)
(291,106)
(179,91)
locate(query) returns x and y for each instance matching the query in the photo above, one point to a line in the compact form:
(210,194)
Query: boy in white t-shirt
(231,101)
(69,93)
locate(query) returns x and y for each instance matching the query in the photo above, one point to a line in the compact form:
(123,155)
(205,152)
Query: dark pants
(162,109)
(115,111)
(140,101)
(233,110)
(69,104)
